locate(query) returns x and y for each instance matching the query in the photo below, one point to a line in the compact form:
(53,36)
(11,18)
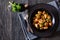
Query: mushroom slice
(39,12)
(36,20)
(40,21)
(50,24)
(45,27)
(37,16)
(41,28)
(36,25)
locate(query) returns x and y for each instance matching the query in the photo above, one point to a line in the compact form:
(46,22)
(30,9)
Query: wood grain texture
(9,23)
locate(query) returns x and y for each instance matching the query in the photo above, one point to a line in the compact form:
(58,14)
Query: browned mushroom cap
(41,25)
(46,23)
(43,12)
(45,15)
(41,28)
(39,12)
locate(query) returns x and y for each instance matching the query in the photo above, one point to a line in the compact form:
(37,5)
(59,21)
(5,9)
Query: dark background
(9,23)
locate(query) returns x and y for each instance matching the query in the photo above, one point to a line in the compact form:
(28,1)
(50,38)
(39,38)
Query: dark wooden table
(9,23)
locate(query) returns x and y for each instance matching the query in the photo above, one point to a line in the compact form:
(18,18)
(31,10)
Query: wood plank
(10,29)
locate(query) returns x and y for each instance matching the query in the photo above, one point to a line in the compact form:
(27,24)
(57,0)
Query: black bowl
(42,9)
(52,11)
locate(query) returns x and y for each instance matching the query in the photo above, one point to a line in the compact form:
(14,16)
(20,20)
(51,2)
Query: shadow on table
(57,34)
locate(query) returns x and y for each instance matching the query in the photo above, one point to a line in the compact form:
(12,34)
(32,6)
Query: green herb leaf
(18,6)
(13,9)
